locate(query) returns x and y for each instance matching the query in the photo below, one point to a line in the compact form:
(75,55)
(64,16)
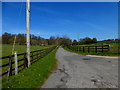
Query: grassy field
(7,49)
(35,75)
(114,50)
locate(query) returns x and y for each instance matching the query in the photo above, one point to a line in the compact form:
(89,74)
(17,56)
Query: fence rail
(8,62)
(104,48)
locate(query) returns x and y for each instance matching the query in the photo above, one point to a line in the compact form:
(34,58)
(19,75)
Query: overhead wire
(18,21)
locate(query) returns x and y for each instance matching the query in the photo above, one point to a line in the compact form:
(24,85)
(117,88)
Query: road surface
(80,71)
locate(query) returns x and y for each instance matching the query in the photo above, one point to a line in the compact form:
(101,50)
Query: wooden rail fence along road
(103,48)
(8,62)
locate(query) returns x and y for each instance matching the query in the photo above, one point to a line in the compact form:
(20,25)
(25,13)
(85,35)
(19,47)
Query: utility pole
(28,30)
(78,38)
(13,49)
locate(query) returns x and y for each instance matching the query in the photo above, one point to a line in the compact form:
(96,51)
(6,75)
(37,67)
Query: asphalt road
(80,71)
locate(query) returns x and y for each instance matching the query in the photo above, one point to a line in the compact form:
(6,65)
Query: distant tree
(74,42)
(94,40)
(5,38)
(52,40)
(116,39)
(87,40)
(8,38)
(11,39)
(65,40)
(21,40)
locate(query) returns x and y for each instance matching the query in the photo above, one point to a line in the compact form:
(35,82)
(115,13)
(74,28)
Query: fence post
(37,55)
(16,63)
(83,49)
(47,51)
(109,47)
(78,48)
(88,49)
(40,54)
(102,49)
(32,56)
(25,61)
(96,49)
(10,66)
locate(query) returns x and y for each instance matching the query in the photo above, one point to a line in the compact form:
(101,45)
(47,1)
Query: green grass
(109,42)
(35,75)
(7,49)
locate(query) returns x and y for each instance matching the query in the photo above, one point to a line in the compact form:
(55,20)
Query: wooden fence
(103,48)
(8,62)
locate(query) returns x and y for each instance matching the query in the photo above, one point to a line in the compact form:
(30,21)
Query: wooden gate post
(109,47)
(78,48)
(96,49)
(10,67)
(16,62)
(88,49)
(102,49)
(83,49)
(25,61)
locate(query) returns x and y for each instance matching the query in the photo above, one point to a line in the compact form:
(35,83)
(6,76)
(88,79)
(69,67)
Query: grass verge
(94,53)
(35,75)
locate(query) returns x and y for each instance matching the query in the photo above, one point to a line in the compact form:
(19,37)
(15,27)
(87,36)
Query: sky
(74,19)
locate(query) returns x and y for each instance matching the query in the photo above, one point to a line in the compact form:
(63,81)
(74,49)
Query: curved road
(80,71)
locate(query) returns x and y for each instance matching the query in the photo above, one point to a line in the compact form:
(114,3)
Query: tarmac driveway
(80,71)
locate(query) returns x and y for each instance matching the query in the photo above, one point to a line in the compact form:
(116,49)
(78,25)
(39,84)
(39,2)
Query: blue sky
(89,19)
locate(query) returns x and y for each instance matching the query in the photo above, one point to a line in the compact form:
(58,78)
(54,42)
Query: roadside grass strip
(35,75)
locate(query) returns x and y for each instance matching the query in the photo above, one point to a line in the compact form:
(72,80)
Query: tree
(5,38)
(87,40)
(21,40)
(65,40)
(52,40)
(8,38)
(94,40)
(74,42)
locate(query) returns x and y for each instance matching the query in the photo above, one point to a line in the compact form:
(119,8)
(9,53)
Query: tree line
(8,38)
(85,40)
